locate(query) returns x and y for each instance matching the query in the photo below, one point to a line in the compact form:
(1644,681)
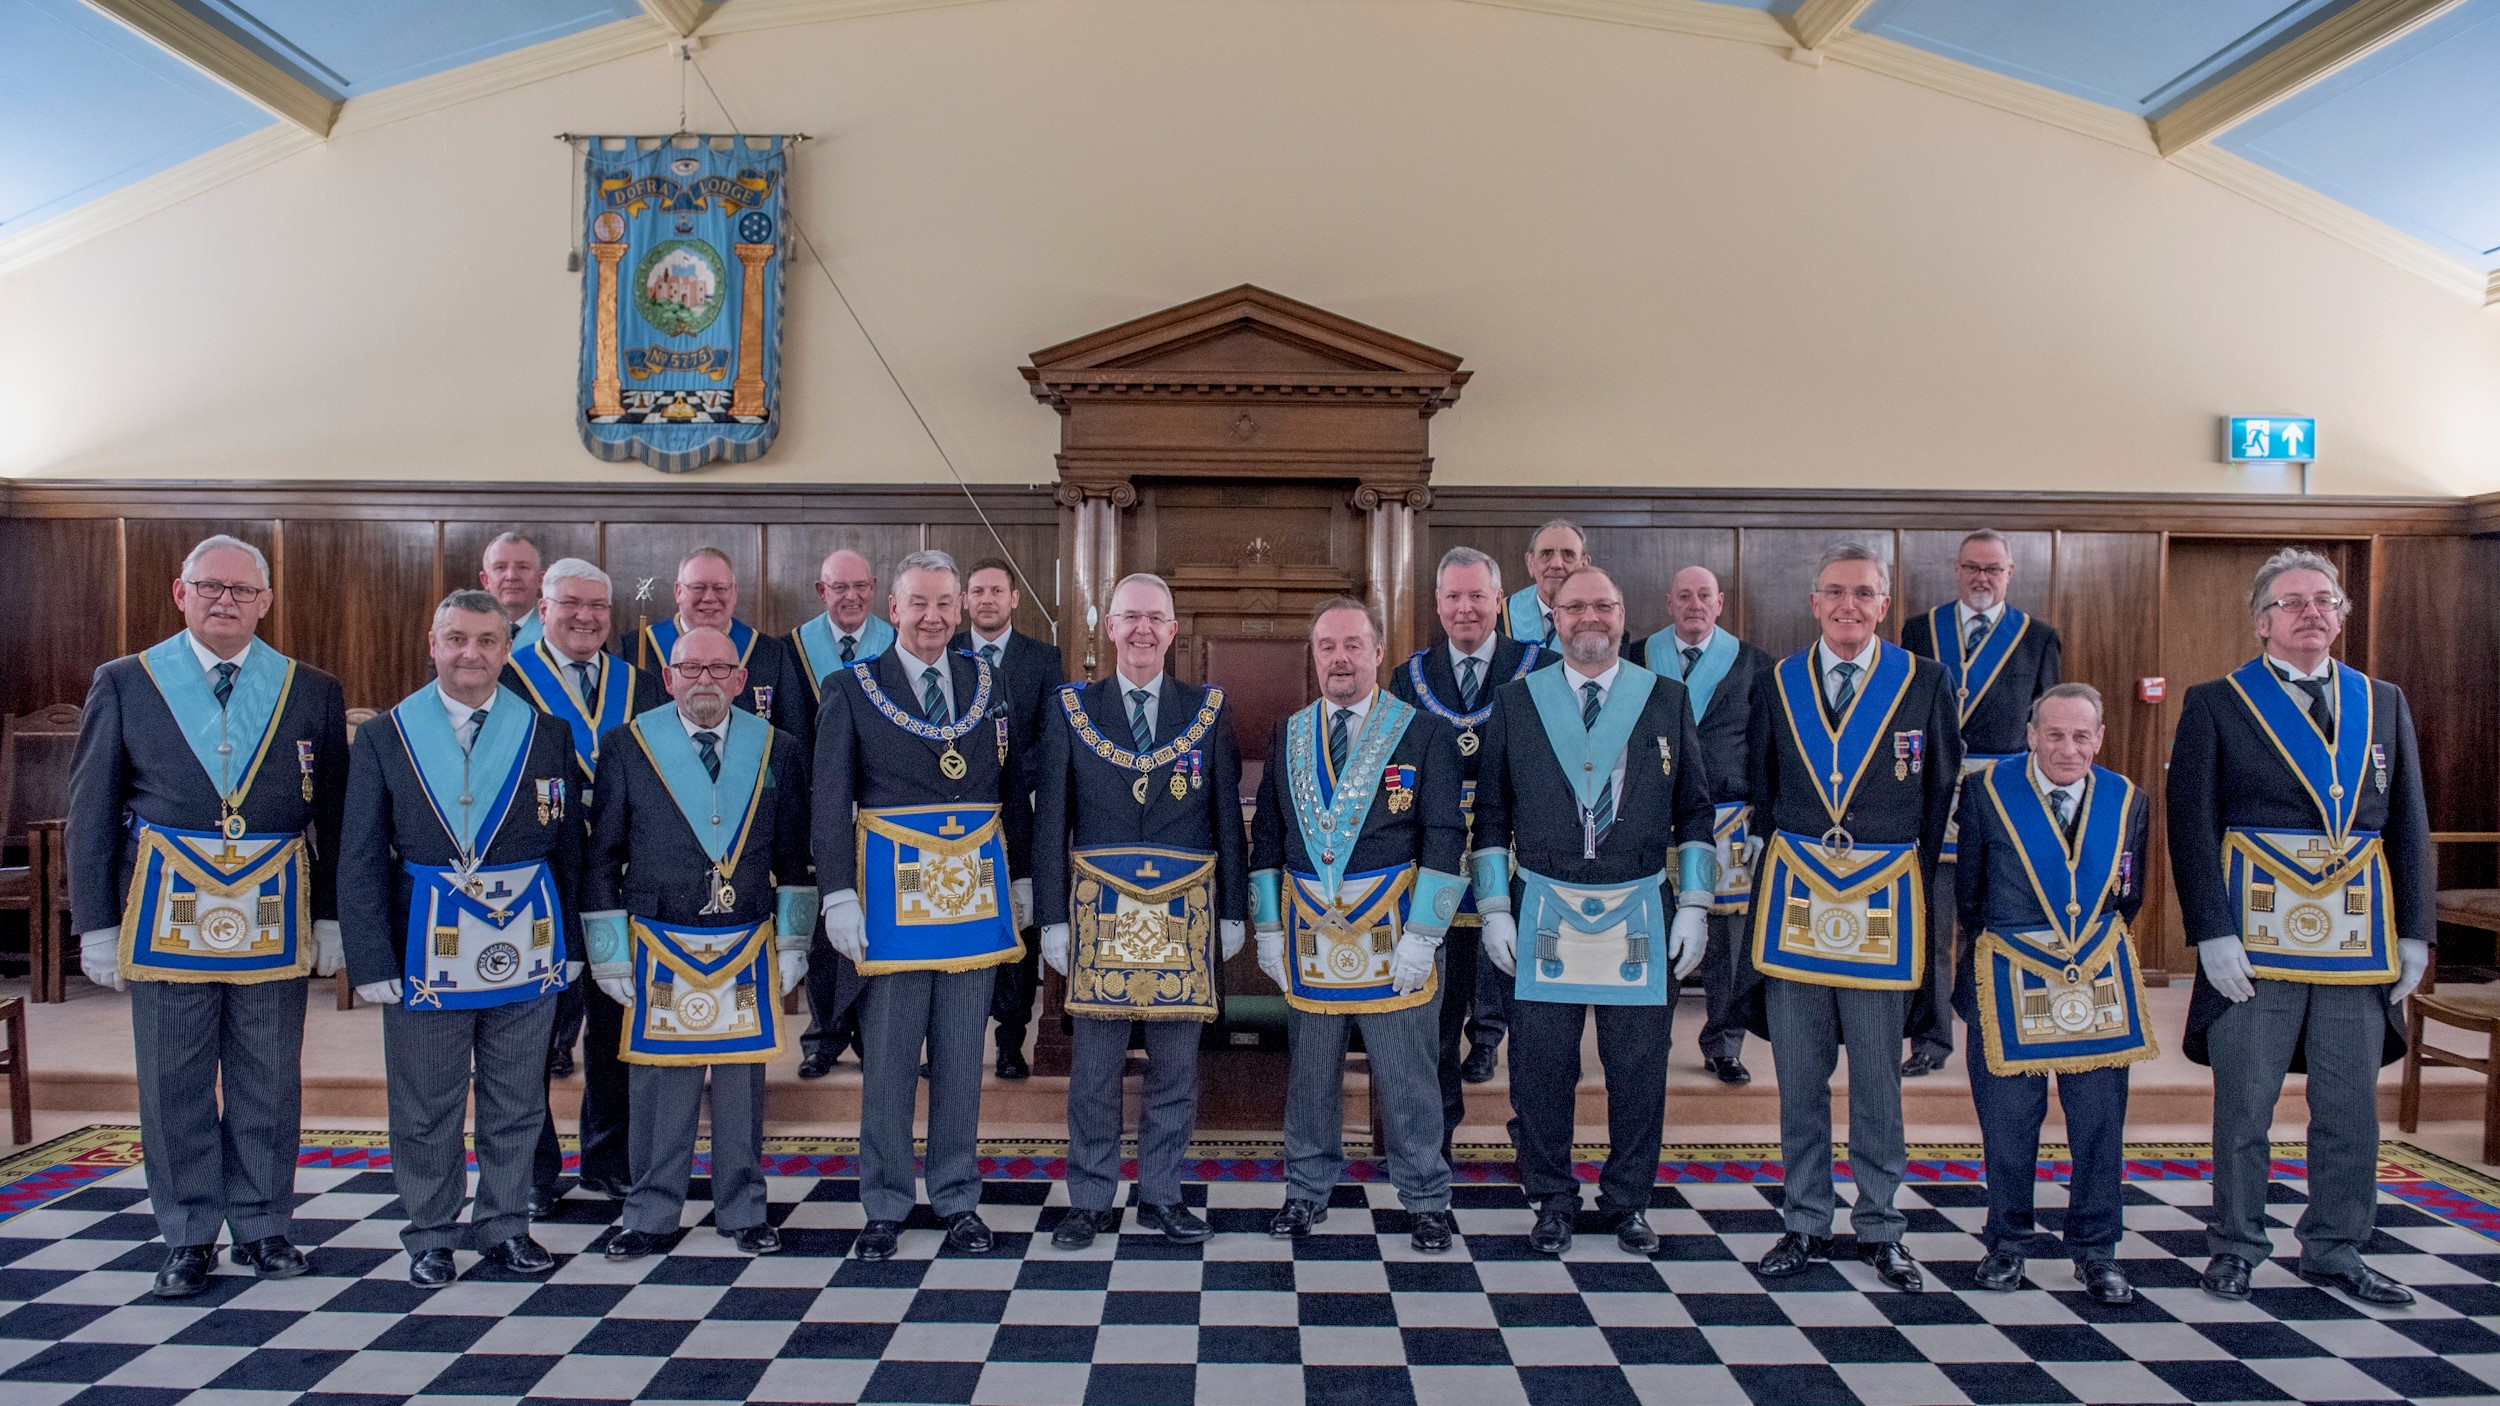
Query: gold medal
(723,893)
(1900,770)
(1137,788)
(1666,759)
(231,826)
(951,762)
(1180,785)
(1467,742)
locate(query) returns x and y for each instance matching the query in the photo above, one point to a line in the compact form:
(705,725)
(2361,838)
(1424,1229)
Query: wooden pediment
(1246,335)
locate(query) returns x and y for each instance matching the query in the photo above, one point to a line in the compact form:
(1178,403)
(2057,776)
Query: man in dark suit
(2050,988)
(1593,825)
(464,831)
(2300,842)
(1031,671)
(915,769)
(1998,661)
(214,753)
(569,675)
(1719,673)
(1137,847)
(845,632)
(707,595)
(1455,683)
(1355,853)
(1855,754)
(698,920)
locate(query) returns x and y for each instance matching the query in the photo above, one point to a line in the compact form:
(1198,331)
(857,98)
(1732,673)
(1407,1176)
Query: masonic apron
(1597,944)
(933,879)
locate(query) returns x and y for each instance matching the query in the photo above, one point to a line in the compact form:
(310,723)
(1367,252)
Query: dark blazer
(1432,832)
(644,858)
(1032,670)
(389,820)
(1079,799)
(1885,809)
(2002,721)
(773,663)
(1525,804)
(650,690)
(2225,773)
(131,759)
(1443,681)
(863,760)
(1993,891)
(1724,727)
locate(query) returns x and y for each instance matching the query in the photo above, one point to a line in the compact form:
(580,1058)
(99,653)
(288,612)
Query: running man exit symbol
(2276,439)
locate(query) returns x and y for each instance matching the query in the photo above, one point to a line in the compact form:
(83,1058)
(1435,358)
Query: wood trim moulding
(1894,59)
(2338,221)
(2491,289)
(2482,514)
(749,15)
(178,31)
(1814,21)
(2308,56)
(1704,18)
(2195,515)
(162,191)
(1028,505)
(683,16)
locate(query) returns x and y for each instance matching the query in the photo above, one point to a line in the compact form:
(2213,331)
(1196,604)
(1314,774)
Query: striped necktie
(1338,722)
(932,697)
(226,670)
(1602,814)
(1138,726)
(1467,682)
(707,744)
(1692,656)
(1848,686)
(1978,632)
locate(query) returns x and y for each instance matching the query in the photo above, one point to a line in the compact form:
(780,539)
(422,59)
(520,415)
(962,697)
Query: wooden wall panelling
(67,618)
(796,554)
(633,551)
(1777,570)
(464,544)
(1924,578)
(2438,640)
(1034,548)
(358,601)
(1642,560)
(153,549)
(2108,615)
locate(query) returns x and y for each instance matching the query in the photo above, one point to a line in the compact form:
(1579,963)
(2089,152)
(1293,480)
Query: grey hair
(1562,522)
(220,541)
(511,539)
(2293,559)
(2072,689)
(928,559)
(572,569)
(1150,579)
(1469,556)
(1990,534)
(470,599)
(1334,604)
(1839,552)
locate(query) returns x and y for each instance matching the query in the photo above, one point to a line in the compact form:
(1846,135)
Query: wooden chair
(35,750)
(21,1074)
(2469,1008)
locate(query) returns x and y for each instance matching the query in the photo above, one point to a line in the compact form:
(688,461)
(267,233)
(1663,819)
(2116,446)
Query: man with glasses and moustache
(706,593)
(212,748)
(2300,843)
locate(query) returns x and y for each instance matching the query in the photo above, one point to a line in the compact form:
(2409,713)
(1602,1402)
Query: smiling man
(706,593)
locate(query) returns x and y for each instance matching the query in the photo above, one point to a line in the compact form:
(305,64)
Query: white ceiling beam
(1817,20)
(2308,57)
(683,17)
(218,54)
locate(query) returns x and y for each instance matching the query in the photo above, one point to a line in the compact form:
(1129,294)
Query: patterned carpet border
(2451,1190)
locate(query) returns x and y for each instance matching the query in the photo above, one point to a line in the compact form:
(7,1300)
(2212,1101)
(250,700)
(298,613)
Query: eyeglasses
(1126,618)
(227,590)
(2325,603)
(1998,570)
(708,588)
(1589,607)
(586,607)
(693,673)
(848,588)
(1863,595)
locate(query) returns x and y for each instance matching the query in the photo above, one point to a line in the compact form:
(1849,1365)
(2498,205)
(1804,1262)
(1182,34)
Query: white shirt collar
(459,712)
(840,634)
(1681,644)
(566,662)
(1964,614)
(1000,642)
(1864,659)
(2040,782)
(1605,682)
(1482,653)
(719,730)
(2325,670)
(1361,710)
(1153,686)
(914,667)
(208,657)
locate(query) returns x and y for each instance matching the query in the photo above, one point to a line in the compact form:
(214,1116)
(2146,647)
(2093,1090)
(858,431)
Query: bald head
(1694,603)
(846,585)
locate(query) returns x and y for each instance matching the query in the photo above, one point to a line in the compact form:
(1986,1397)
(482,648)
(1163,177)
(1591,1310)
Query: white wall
(1668,259)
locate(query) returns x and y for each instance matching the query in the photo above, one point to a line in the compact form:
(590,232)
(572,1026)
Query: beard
(1587,647)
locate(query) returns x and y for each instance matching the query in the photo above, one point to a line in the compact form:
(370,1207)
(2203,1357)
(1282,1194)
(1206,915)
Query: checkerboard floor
(1350,1315)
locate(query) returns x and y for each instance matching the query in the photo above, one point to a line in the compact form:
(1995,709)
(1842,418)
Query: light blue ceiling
(347,48)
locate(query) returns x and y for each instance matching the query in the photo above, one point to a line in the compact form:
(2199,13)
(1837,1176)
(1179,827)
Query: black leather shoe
(521,1255)
(1920,1065)
(968,1233)
(543,1201)
(754,1239)
(1791,1253)
(2365,1284)
(561,1067)
(818,1065)
(2105,1282)
(877,1240)
(601,1186)
(2226,1277)
(1011,1065)
(1893,1265)
(1431,1232)
(1178,1223)
(1478,1066)
(186,1271)
(628,1244)
(1730,1070)
(1078,1228)
(1632,1232)
(2001,1272)
(432,1269)
(1296,1219)
(1552,1233)
(272,1256)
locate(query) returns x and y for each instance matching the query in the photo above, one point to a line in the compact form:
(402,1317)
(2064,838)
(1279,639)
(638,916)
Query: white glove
(1411,964)
(573,971)
(1753,852)
(2226,965)
(1688,936)
(100,957)
(2413,959)
(1272,959)
(793,967)
(846,927)
(1234,932)
(620,989)
(329,948)
(1019,897)
(1055,947)
(380,993)
(1501,942)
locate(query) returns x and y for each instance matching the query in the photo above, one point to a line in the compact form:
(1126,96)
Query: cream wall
(1668,259)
